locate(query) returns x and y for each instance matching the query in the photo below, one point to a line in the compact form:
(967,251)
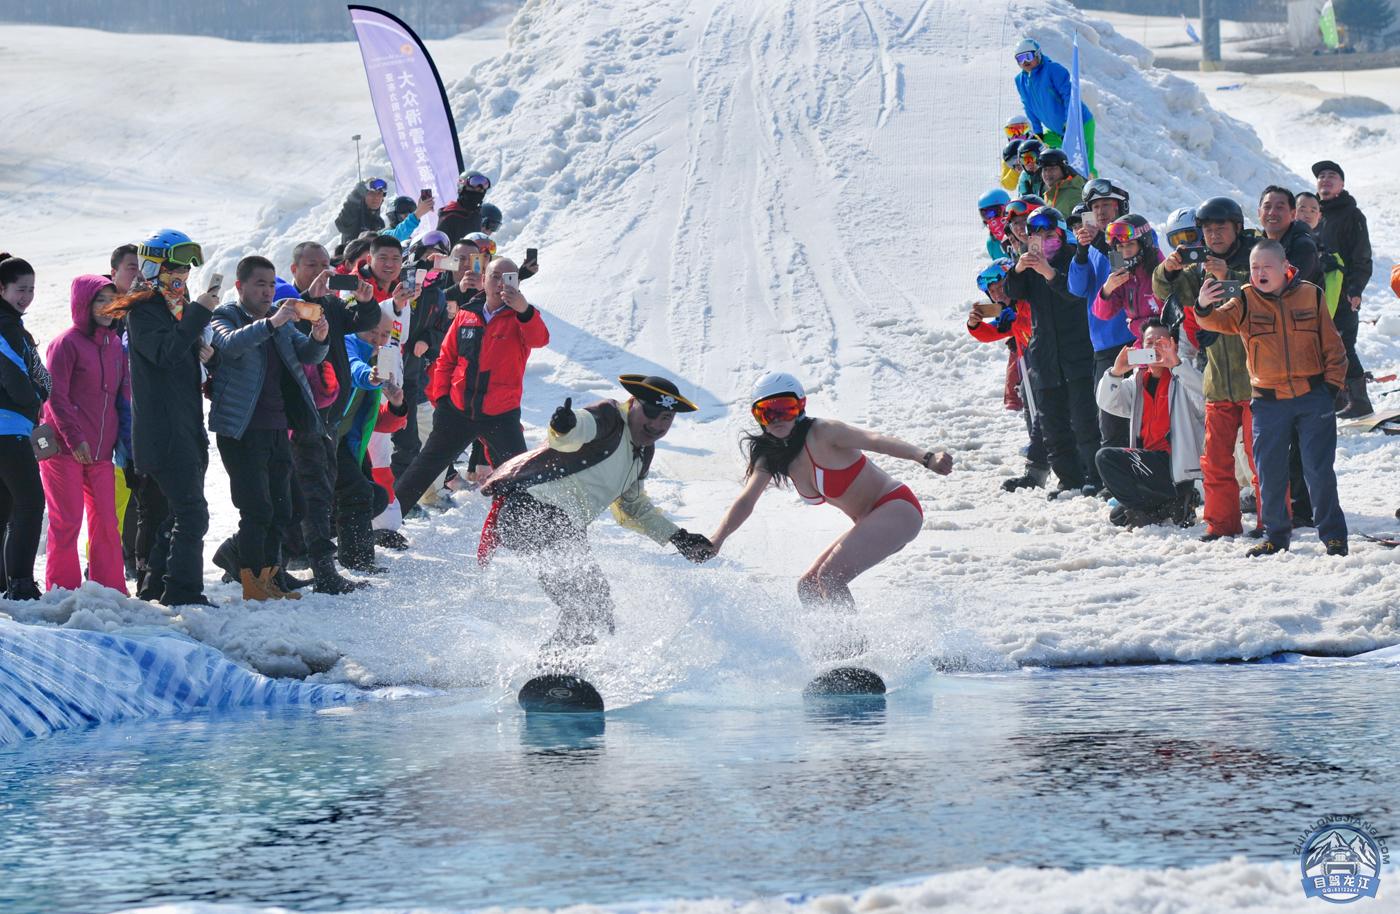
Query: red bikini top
(831,483)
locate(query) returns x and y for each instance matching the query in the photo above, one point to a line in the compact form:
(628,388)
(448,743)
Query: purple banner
(411,107)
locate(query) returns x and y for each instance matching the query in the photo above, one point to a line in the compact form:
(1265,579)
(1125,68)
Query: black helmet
(1104,189)
(1076,215)
(490,217)
(1011,152)
(1046,217)
(1220,209)
(1033,146)
(1054,157)
(1138,229)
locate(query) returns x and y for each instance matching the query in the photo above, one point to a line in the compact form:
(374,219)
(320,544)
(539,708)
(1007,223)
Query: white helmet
(774,384)
(1018,120)
(1028,44)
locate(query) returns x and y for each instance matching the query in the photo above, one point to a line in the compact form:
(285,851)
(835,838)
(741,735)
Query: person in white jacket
(1154,480)
(595,458)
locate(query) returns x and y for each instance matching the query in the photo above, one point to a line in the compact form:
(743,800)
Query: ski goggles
(436,239)
(378,185)
(989,277)
(1025,57)
(1184,237)
(1122,232)
(1042,223)
(992,212)
(1019,208)
(1017,131)
(1029,158)
(183,254)
(783,408)
(477,180)
(483,244)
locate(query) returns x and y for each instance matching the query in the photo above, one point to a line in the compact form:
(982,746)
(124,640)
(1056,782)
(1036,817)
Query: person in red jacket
(477,380)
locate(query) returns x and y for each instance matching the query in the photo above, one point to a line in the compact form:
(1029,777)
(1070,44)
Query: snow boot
(226,560)
(356,545)
(255,585)
(390,539)
(22,589)
(1359,401)
(1337,547)
(274,590)
(329,580)
(1033,478)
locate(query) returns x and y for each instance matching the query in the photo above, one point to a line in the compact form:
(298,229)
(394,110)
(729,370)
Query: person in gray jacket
(259,392)
(1165,405)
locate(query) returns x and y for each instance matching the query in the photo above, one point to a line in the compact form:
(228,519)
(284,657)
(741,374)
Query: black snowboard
(846,680)
(560,694)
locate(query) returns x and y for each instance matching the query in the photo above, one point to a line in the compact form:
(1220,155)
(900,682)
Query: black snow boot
(226,559)
(331,581)
(22,589)
(1033,478)
(1359,401)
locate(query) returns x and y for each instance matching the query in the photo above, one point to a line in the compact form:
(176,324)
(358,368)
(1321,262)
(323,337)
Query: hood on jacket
(1343,200)
(84,290)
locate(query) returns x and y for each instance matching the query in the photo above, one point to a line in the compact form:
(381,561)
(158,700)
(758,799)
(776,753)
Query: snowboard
(1387,420)
(555,693)
(846,680)
(1390,542)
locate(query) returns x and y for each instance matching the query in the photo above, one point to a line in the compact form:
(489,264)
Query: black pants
(259,467)
(1348,322)
(1140,480)
(314,459)
(177,554)
(21,507)
(407,444)
(1113,430)
(151,512)
(567,571)
(130,523)
(452,434)
(1069,421)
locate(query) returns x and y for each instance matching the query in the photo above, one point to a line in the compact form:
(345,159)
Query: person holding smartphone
(1163,400)
(1133,255)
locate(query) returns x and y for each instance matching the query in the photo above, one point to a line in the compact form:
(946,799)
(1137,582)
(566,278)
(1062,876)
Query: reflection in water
(853,710)
(563,736)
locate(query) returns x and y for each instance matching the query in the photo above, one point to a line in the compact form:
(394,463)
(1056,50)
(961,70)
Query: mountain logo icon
(1341,862)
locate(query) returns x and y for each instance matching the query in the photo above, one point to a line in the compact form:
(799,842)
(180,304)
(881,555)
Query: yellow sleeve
(635,511)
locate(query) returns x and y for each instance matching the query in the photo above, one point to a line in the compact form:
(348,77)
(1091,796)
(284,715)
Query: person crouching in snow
(90,386)
(595,458)
(1165,405)
(825,461)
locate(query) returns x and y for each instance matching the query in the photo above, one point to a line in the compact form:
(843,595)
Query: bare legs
(874,538)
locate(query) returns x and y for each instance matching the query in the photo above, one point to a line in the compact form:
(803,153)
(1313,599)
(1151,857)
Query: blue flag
(1190,31)
(1074,145)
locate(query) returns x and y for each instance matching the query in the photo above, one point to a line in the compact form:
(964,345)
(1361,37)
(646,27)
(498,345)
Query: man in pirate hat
(595,458)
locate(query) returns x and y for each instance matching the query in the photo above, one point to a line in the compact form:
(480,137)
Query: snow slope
(719,188)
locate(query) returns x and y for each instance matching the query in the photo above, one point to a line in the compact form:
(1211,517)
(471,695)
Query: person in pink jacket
(90,385)
(1129,288)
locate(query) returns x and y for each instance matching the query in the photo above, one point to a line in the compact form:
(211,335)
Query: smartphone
(309,311)
(450,264)
(512,280)
(1116,261)
(532,255)
(1036,245)
(1140,357)
(1230,288)
(390,365)
(1089,220)
(425,194)
(476,263)
(1193,255)
(987,309)
(216,284)
(344,282)
(410,280)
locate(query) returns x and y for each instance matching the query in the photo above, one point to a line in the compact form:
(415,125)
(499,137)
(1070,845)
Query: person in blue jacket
(1044,87)
(1088,271)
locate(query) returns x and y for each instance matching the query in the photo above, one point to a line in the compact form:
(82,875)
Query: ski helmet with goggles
(1182,230)
(484,243)
(1046,217)
(1220,209)
(1031,149)
(1104,189)
(490,217)
(1017,126)
(1011,153)
(1027,46)
(1131,227)
(994,273)
(1024,205)
(996,197)
(777,397)
(1053,157)
(167,247)
(474,180)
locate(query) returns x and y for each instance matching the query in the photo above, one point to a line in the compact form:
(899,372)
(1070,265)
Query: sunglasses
(1025,57)
(378,184)
(993,212)
(1121,233)
(653,411)
(784,408)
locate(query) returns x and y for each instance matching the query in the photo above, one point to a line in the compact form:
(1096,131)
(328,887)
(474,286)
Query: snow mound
(1354,106)
(1235,885)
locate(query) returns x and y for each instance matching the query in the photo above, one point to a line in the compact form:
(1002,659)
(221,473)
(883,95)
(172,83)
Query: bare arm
(839,434)
(743,506)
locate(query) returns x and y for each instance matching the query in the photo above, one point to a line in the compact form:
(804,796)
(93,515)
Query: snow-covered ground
(717,189)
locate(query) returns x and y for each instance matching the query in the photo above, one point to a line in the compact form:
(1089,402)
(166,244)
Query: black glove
(564,420)
(693,546)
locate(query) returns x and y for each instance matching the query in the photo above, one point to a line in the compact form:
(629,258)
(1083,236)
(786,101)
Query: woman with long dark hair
(24,386)
(824,460)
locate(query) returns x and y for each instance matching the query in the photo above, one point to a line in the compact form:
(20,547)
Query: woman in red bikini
(825,461)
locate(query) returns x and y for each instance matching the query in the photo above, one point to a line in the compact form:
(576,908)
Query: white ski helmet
(775,384)
(1028,44)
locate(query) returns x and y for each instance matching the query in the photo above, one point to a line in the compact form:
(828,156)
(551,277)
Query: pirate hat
(656,391)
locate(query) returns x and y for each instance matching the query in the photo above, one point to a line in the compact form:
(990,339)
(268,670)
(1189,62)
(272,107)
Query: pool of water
(459,802)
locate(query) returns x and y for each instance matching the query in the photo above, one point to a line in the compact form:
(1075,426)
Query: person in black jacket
(1060,358)
(24,386)
(360,213)
(166,345)
(462,216)
(1343,232)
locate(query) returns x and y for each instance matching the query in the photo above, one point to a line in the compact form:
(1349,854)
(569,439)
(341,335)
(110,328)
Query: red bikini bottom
(903,493)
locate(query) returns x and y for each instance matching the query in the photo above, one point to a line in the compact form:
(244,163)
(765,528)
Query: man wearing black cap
(1343,232)
(595,458)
